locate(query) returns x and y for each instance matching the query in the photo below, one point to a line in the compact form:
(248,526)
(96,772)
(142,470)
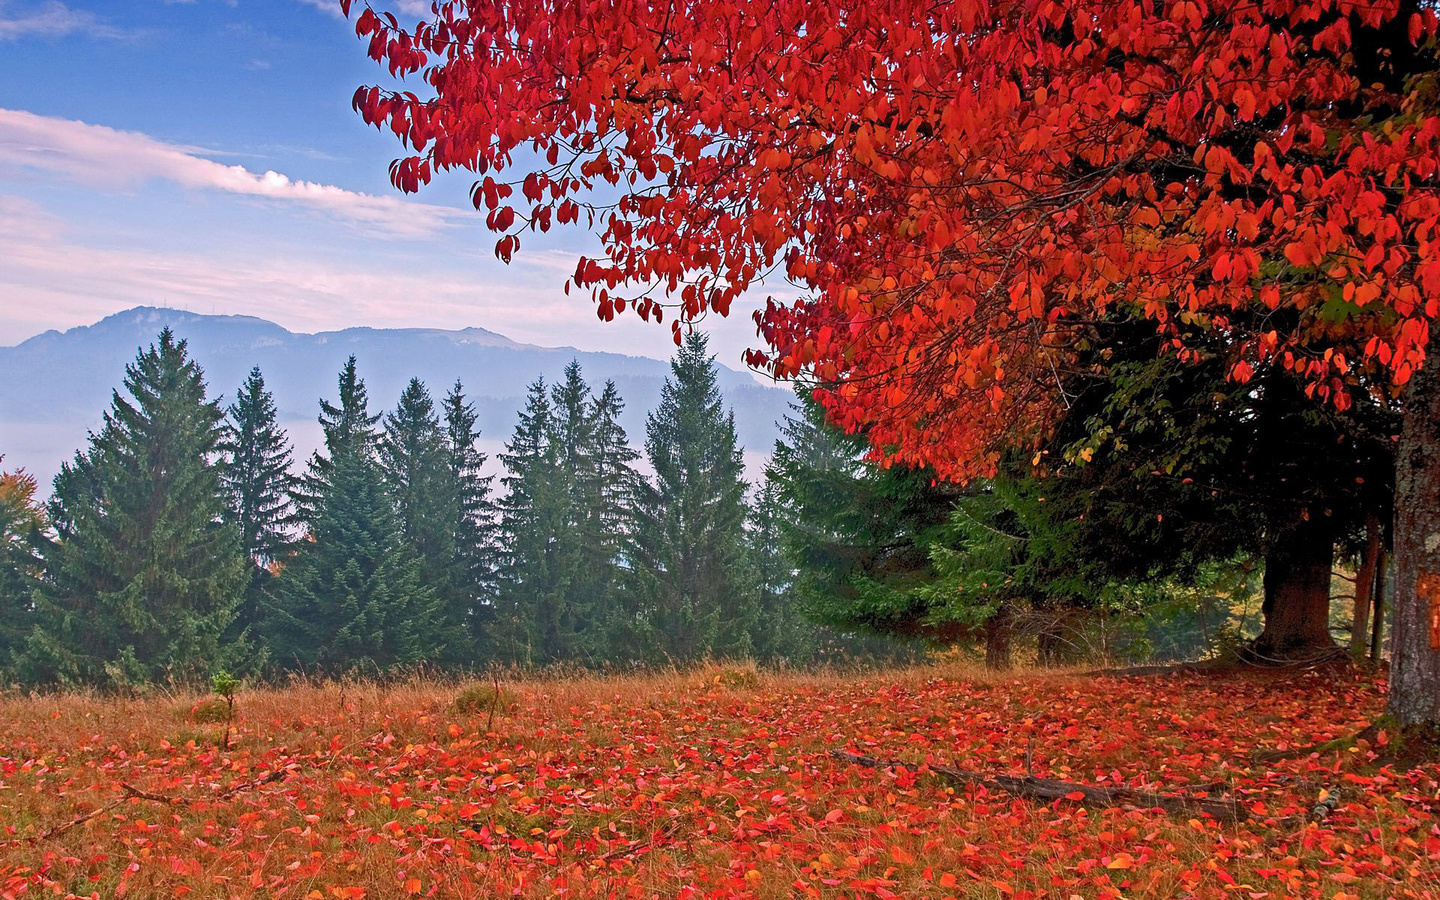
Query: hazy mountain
(55,386)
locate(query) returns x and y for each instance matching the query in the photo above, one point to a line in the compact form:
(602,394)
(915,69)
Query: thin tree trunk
(1297,594)
(1415,645)
(1377,628)
(1365,586)
(1048,645)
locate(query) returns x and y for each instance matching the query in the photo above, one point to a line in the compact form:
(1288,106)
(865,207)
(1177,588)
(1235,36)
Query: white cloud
(51,279)
(329,6)
(113,159)
(413,8)
(53,19)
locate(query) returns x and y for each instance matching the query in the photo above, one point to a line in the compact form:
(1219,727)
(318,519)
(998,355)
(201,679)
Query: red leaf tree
(960,187)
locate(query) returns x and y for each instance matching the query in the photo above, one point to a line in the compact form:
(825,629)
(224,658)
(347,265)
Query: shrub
(732,677)
(480,699)
(214,711)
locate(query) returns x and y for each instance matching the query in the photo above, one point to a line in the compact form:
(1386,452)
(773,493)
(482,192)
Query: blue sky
(203,154)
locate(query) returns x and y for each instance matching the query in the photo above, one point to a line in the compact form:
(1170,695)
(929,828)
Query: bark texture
(1297,594)
(999,635)
(1365,587)
(1377,629)
(1415,661)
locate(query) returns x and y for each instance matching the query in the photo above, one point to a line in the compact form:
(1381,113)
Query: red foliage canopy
(960,186)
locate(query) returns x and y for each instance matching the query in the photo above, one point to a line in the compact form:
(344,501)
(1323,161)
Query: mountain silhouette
(55,386)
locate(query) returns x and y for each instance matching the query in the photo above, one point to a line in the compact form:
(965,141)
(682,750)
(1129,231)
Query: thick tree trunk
(1297,595)
(999,634)
(1365,587)
(1415,643)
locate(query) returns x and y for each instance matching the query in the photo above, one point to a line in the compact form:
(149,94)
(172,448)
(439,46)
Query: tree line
(182,540)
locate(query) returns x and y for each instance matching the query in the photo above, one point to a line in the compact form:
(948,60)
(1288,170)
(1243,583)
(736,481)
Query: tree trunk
(1048,645)
(999,633)
(1297,595)
(1415,643)
(1056,639)
(1365,580)
(1377,629)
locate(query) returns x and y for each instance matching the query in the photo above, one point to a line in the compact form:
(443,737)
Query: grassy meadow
(715,782)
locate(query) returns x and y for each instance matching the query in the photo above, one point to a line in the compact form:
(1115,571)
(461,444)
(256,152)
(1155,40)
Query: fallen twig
(1049,790)
(1147,671)
(1340,744)
(131,792)
(64,826)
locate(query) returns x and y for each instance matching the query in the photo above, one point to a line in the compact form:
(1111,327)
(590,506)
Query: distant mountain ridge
(55,386)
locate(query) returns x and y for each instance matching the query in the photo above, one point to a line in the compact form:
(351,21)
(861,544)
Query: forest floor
(715,783)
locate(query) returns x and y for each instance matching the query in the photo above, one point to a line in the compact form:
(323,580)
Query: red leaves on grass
(679,787)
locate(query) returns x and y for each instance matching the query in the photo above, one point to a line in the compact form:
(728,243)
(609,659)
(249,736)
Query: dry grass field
(715,783)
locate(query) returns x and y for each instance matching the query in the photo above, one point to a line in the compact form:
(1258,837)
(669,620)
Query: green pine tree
(472,527)
(259,486)
(22,532)
(530,620)
(859,536)
(415,464)
(145,576)
(691,594)
(353,597)
(578,549)
(348,425)
(783,633)
(787,632)
(611,493)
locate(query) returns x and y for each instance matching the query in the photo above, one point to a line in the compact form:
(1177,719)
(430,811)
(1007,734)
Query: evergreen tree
(783,633)
(531,622)
(145,576)
(22,526)
(258,485)
(786,633)
(579,550)
(613,465)
(574,427)
(472,527)
(613,490)
(416,463)
(348,425)
(859,536)
(415,466)
(564,523)
(691,590)
(353,598)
